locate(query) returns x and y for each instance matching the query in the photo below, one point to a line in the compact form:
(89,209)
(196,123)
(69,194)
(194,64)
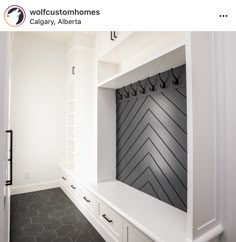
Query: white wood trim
(34,187)
(210,234)
(190,135)
(202,182)
(207,224)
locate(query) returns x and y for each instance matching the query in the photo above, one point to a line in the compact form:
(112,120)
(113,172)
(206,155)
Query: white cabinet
(111,220)
(124,60)
(104,43)
(107,40)
(71,120)
(70,184)
(110,224)
(168,51)
(89,201)
(63,179)
(132,234)
(80,124)
(131,50)
(75,188)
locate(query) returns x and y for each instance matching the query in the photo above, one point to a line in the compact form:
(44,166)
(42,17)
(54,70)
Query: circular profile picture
(15,15)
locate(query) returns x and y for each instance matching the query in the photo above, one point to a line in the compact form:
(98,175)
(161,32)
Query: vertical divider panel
(106,123)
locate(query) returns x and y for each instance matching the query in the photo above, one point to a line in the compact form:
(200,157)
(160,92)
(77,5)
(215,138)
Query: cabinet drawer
(110,219)
(70,184)
(132,234)
(75,188)
(64,179)
(89,201)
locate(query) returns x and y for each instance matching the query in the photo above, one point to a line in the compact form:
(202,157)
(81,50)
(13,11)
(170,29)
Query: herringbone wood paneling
(152,139)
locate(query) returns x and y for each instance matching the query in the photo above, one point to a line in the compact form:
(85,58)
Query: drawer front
(132,234)
(89,201)
(74,188)
(110,219)
(70,184)
(64,178)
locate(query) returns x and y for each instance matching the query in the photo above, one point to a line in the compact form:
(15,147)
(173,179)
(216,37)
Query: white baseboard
(34,187)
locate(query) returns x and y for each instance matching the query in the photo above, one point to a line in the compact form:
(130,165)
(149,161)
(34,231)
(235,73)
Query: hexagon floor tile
(49,216)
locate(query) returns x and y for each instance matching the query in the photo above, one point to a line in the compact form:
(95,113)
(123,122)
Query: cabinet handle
(115,36)
(112,36)
(64,178)
(73,70)
(9,182)
(107,219)
(88,201)
(73,187)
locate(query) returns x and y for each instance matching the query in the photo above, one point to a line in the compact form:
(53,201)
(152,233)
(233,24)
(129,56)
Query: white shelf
(171,57)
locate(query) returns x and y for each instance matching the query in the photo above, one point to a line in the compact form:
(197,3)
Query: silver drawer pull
(107,219)
(64,178)
(88,201)
(73,187)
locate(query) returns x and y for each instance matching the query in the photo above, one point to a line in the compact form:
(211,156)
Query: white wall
(37,108)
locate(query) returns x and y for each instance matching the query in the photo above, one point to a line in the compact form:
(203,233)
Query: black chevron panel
(152,138)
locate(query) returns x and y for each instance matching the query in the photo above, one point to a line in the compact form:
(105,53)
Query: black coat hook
(120,96)
(126,93)
(134,93)
(176,79)
(142,88)
(163,83)
(152,87)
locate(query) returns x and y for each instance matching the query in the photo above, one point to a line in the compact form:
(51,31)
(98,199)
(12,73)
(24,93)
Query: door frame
(5,41)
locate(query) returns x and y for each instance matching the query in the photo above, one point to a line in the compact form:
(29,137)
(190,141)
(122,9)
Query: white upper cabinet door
(104,43)
(71,64)
(107,40)
(121,36)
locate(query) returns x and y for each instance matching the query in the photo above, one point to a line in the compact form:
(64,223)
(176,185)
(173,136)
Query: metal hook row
(142,90)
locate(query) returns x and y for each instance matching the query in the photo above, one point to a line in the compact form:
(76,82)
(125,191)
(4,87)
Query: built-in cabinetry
(133,234)
(108,40)
(117,211)
(81,110)
(111,225)
(142,55)
(111,220)
(71,108)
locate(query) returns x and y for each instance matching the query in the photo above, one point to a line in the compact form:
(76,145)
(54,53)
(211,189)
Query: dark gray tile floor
(49,216)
